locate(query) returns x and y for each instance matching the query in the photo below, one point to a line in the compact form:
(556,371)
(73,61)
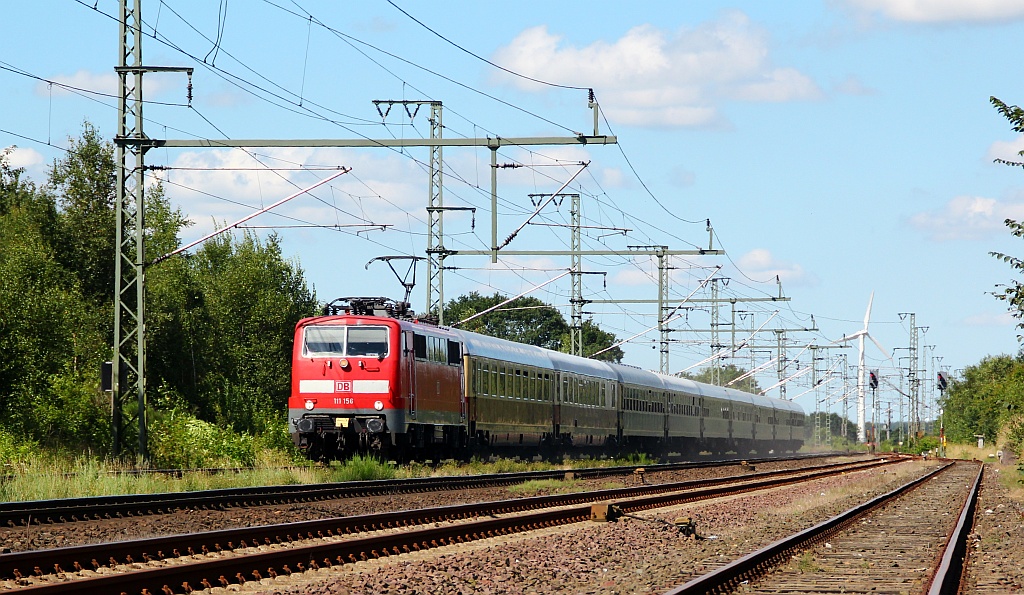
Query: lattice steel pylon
(716,344)
(663,329)
(576,299)
(128,372)
(435,219)
(128,376)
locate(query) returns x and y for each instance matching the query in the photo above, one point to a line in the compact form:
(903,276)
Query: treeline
(988,400)
(531,321)
(219,322)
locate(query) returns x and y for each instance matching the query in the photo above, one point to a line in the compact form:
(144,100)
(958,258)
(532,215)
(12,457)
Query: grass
(1011,475)
(543,487)
(807,564)
(91,477)
(48,476)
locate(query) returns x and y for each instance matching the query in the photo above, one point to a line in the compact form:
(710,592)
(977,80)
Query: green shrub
(1015,435)
(180,441)
(14,451)
(925,443)
(360,468)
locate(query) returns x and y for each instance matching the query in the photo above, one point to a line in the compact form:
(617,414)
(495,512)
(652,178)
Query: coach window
(454,353)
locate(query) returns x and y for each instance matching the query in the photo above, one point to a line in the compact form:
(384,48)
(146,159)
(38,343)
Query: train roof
(682,384)
(500,349)
(564,362)
(787,405)
(633,375)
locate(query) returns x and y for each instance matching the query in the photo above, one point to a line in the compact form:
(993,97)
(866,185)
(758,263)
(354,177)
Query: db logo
(344,386)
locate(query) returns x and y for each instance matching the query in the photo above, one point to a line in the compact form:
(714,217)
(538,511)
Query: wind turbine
(859,335)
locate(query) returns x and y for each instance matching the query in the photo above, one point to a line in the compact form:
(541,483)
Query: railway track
(910,540)
(15,514)
(178,564)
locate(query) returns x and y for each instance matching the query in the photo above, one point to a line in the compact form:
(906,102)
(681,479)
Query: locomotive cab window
(323,341)
(367,341)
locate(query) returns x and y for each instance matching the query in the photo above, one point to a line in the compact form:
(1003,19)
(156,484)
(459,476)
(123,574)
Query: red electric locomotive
(364,381)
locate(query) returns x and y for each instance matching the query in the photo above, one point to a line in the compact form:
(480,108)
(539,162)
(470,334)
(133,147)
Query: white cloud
(666,78)
(967,218)
(852,85)
(108,83)
(990,319)
(1007,150)
(374,192)
(100,82)
(682,177)
(943,11)
(614,177)
(20,157)
(761,265)
(633,277)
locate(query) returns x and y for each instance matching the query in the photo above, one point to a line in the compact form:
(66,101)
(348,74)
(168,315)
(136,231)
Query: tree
(50,335)
(219,323)
(726,374)
(523,320)
(595,339)
(988,394)
(531,321)
(1012,294)
(85,182)
(221,330)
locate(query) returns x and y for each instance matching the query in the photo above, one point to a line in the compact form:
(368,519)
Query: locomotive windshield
(342,341)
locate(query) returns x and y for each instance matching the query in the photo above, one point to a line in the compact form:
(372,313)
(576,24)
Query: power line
(481,58)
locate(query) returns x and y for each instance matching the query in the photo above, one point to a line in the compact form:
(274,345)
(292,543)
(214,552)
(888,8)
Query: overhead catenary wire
(301,93)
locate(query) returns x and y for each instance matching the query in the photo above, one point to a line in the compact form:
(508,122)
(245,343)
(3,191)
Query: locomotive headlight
(310,403)
(343,363)
(378,405)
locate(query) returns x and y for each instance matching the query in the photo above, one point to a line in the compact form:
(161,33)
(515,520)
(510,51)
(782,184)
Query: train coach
(369,378)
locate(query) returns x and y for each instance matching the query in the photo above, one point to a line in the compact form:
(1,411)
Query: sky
(841,149)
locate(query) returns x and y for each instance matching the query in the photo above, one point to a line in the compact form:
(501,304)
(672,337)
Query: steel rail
(755,563)
(19,565)
(949,574)
(216,572)
(14,514)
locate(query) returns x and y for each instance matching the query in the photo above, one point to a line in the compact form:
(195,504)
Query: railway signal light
(873,379)
(942,381)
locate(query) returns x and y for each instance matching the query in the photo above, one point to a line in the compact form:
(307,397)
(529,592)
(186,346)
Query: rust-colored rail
(747,569)
(949,575)
(286,557)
